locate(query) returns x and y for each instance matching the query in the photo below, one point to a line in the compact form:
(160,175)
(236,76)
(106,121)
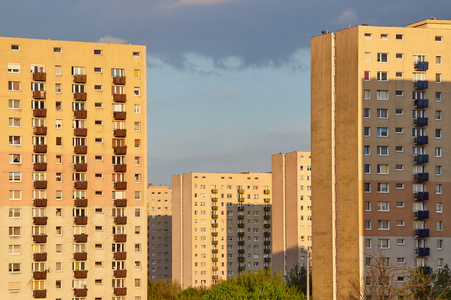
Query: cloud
(111,40)
(202,2)
(349,15)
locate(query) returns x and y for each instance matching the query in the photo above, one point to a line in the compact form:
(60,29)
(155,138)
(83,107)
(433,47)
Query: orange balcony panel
(215,259)
(119,80)
(81,131)
(214,225)
(80,78)
(214,277)
(39,76)
(214,234)
(40,148)
(80,114)
(122,185)
(40,202)
(120,132)
(40,166)
(40,112)
(214,217)
(120,291)
(267,225)
(81,185)
(120,168)
(80,238)
(81,149)
(78,256)
(120,220)
(120,238)
(122,98)
(40,130)
(120,150)
(81,202)
(40,184)
(40,256)
(81,167)
(39,275)
(267,259)
(119,115)
(214,251)
(40,220)
(267,251)
(267,217)
(81,292)
(80,274)
(214,268)
(81,220)
(120,203)
(40,238)
(80,96)
(39,293)
(120,255)
(120,273)
(39,94)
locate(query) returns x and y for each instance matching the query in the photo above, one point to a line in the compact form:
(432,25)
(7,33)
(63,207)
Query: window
(399,37)
(15,122)
(15,47)
(438,207)
(383,206)
(367,57)
(366,150)
(438,60)
(137,178)
(383,225)
(366,112)
(382,95)
(98,105)
(399,55)
(136,54)
(15,213)
(13,68)
(438,38)
(382,113)
(382,150)
(14,104)
(59,106)
(382,187)
(366,75)
(137,91)
(14,249)
(57,70)
(368,36)
(59,248)
(399,186)
(383,243)
(136,74)
(367,206)
(382,57)
(399,112)
(137,126)
(97,52)
(15,158)
(438,170)
(59,141)
(366,169)
(439,225)
(382,131)
(15,140)
(438,152)
(137,195)
(98,140)
(399,130)
(367,187)
(15,177)
(137,160)
(438,115)
(366,94)
(58,124)
(400,204)
(368,243)
(382,169)
(367,224)
(137,109)
(59,195)
(366,131)
(98,87)
(14,86)
(399,75)
(137,143)
(57,49)
(58,88)
(14,268)
(438,77)
(438,96)
(399,149)
(384,36)
(440,244)
(382,76)
(137,248)
(14,231)
(438,133)
(438,189)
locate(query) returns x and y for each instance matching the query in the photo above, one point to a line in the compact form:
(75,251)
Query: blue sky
(228,80)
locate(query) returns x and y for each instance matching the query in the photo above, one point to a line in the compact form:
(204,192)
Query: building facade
(292,219)
(159,228)
(379,151)
(74,170)
(221,226)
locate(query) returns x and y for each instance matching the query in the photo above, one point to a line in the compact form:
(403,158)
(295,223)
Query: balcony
(421,84)
(80,78)
(420,140)
(421,103)
(40,202)
(119,115)
(241,200)
(267,217)
(79,274)
(120,238)
(214,207)
(81,131)
(267,225)
(420,122)
(40,148)
(121,98)
(267,234)
(81,220)
(425,270)
(121,185)
(241,251)
(422,233)
(80,202)
(39,275)
(266,192)
(421,196)
(267,208)
(120,291)
(120,255)
(80,167)
(120,168)
(241,268)
(240,225)
(422,214)
(80,96)
(40,184)
(240,233)
(421,177)
(40,112)
(214,233)
(39,293)
(267,200)
(421,66)
(241,243)
(81,149)
(120,273)
(240,191)
(214,199)
(214,251)
(267,243)
(240,217)
(214,277)
(40,130)
(120,132)
(214,243)
(214,191)
(214,217)
(40,256)
(240,208)
(422,251)
(214,259)
(421,158)
(214,268)
(119,80)
(40,238)
(39,94)
(267,259)
(80,185)
(79,256)
(40,220)
(120,202)
(80,114)
(39,76)
(267,251)
(81,292)
(81,238)
(120,150)
(120,220)
(214,225)
(40,166)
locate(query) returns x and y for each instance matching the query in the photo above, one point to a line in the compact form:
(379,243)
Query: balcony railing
(421,140)
(421,84)
(120,220)
(119,80)
(39,95)
(119,115)
(421,103)
(40,202)
(40,238)
(40,112)
(39,275)
(81,149)
(40,184)
(80,256)
(121,185)
(422,233)
(40,148)
(420,122)
(80,114)
(120,150)
(120,291)
(421,158)
(80,274)
(121,98)
(120,255)
(81,131)
(80,78)
(81,292)
(80,185)
(39,76)
(421,66)
(81,238)
(421,196)
(40,220)
(422,214)
(120,132)
(40,130)
(81,220)
(80,96)
(40,256)
(214,191)
(80,202)
(40,166)
(421,177)
(214,225)
(81,167)
(120,168)
(120,202)
(120,238)
(120,273)
(422,251)
(39,293)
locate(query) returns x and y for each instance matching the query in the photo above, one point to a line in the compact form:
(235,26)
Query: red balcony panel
(120,238)
(40,184)
(120,255)
(78,256)
(120,273)
(40,130)
(40,256)
(80,202)
(119,80)
(120,132)
(81,292)
(80,274)
(119,115)
(40,220)
(120,168)
(39,76)
(80,78)
(39,94)
(81,167)
(80,238)
(80,96)
(120,185)
(120,291)
(81,185)
(81,220)
(120,220)
(40,166)
(39,275)
(120,150)
(39,293)
(122,98)
(40,112)
(81,131)
(40,202)
(80,114)
(81,149)
(40,238)
(120,203)
(40,148)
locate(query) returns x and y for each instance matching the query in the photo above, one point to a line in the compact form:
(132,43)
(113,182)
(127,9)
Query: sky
(228,81)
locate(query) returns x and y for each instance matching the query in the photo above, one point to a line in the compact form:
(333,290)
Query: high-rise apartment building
(221,226)
(159,228)
(379,151)
(291,210)
(74,170)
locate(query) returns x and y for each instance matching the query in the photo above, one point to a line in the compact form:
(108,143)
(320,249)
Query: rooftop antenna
(349,25)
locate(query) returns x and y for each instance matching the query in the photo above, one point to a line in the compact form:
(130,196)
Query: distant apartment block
(380,151)
(221,226)
(73,181)
(159,227)
(291,210)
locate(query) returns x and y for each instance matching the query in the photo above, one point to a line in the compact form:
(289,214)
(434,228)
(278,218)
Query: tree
(297,277)
(163,290)
(428,285)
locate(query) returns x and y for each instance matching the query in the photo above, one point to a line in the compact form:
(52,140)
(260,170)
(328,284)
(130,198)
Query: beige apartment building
(74,170)
(380,151)
(291,210)
(221,226)
(159,228)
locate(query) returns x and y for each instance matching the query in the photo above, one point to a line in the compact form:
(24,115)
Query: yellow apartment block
(74,170)
(221,226)
(379,151)
(159,228)
(292,219)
